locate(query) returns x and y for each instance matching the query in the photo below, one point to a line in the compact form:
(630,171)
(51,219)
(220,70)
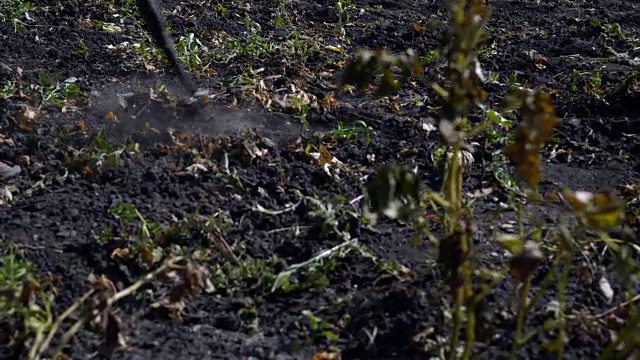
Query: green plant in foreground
(25,303)
(100,154)
(15,10)
(397,193)
(56,93)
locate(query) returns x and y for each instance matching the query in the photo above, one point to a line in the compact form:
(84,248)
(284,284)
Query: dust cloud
(143,111)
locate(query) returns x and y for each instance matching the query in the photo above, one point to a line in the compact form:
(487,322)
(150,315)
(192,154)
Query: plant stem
(522,306)
(457,323)
(624,336)
(562,300)
(471,314)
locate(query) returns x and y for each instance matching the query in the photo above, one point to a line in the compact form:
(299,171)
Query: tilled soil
(59,214)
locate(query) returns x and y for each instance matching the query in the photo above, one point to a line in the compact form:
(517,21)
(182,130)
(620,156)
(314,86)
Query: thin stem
(522,306)
(457,323)
(562,300)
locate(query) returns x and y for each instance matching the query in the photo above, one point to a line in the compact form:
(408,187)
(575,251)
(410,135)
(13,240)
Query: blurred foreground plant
(397,193)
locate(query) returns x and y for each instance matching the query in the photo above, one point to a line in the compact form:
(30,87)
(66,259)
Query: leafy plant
(397,193)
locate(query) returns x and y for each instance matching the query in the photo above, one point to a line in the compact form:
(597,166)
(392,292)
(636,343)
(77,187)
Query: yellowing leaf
(601,211)
(604,221)
(334,48)
(578,200)
(511,243)
(110,116)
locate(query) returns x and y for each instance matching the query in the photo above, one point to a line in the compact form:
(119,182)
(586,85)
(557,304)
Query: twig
(612,310)
(39,348)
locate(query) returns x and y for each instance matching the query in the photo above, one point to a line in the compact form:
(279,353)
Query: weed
(7,89)
(83,49)
(349,134)
(25,303)
(150,243)
(589,83)
(320,328)
(189,49)
(15,11)
(344,9)
(99,155)
(56,93)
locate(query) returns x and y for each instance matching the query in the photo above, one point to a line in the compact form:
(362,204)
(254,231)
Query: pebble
(7,171)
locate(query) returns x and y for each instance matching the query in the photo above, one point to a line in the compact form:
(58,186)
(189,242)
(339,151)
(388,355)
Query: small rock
(7,171)
(73,213)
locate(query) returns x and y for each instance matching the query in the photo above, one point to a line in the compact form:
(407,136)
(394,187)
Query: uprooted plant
(397,193)
(27,320)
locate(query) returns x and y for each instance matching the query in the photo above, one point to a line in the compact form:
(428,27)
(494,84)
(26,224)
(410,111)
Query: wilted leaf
(110,116)
(578,200)
(325,355)
(525,263)
(114,340)
(120,253)
(537,126)
(29,290)
(602,211)
(27,119)
(325,157)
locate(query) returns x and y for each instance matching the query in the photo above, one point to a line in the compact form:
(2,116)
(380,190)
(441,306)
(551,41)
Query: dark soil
(375,314)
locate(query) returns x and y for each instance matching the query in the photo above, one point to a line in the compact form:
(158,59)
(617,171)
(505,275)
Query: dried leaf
(147,257)
(27,119)
(114,340)
(325,157)
(327,355)
(120,253)
(111,116)
(29,289)
(81,126)
(602,211)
